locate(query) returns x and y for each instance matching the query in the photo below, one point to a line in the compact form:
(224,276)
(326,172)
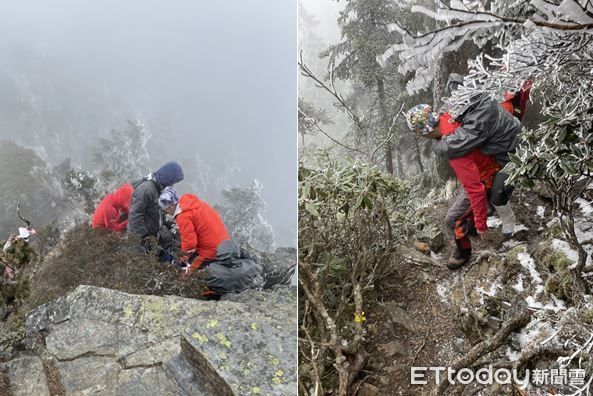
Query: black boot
(458,257)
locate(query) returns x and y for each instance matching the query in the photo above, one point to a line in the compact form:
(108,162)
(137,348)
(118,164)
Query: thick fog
(325,14)
(213,82)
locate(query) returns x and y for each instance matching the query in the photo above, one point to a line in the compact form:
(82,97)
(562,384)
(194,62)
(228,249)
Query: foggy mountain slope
(27,178)
(204,81)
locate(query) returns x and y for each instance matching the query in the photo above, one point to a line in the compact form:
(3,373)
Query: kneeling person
(200,227)
(205,239)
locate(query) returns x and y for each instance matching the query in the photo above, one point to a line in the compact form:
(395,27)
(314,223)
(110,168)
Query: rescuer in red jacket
(200,227)
(112,212)
(476,172)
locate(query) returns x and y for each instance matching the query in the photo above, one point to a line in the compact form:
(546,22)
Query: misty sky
(326,13)
(216,79)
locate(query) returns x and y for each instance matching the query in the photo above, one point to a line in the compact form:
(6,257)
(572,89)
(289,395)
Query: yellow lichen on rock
(223,340)
(202,339)
(212,323)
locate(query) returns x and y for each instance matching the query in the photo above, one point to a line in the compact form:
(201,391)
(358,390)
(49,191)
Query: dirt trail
(413,323)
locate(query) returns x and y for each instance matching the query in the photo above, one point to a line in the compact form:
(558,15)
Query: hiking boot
(458,258)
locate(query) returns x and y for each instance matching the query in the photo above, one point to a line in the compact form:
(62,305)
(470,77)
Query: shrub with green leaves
(559,155)
(351,217)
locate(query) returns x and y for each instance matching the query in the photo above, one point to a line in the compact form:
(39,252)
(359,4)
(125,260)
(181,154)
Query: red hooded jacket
(475,171)
(201,229)
(113,208)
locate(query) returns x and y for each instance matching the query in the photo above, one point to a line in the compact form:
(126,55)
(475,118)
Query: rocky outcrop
(113,343)
(278,267)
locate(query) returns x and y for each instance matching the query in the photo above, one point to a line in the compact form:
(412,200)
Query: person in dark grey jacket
(145,216)
(485,125)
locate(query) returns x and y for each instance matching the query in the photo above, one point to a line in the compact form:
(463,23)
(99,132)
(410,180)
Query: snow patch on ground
(443,292)
(511,243)
(552,306)
(526,335)
(565,248)
(528,263)
(584,232)
(519,285)
(491,292)
(521,227)
(493,222)
(541,211)
(586,207)
(512,355)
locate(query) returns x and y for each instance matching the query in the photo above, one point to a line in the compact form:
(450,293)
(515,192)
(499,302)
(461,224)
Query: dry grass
(106,259)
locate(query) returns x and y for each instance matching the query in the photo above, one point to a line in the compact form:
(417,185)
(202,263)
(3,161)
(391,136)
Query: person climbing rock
(145,218)
(200,227)
(112,212)
(490,133)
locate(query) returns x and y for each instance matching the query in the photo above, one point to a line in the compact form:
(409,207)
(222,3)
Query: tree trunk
(418,155)
(385,126)
(400,166)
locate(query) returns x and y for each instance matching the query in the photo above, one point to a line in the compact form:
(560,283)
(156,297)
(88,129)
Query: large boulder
(109,342)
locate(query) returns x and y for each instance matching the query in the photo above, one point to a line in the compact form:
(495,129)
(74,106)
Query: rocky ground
(106,342)
(97,317)
(427,315)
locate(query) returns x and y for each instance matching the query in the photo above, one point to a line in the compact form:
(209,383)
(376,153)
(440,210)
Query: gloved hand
(181,264)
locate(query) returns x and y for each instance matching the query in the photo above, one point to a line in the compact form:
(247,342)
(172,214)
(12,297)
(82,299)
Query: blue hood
(169,174)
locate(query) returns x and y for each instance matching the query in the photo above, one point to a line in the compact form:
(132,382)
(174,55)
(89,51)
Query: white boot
(507,217)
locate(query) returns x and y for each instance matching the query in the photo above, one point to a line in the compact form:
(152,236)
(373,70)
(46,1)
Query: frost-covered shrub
(123,156)
(82,187)
(350,218)
(559,155)
(243,214)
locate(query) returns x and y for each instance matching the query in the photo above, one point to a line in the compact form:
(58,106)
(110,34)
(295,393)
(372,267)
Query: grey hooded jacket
(144,218)
(485,125)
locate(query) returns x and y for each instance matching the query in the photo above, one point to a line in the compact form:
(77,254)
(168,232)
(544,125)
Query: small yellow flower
(359,317)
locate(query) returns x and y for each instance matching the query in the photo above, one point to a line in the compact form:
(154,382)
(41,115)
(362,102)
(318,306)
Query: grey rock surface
(399,317)
(108,342)
(27,377)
